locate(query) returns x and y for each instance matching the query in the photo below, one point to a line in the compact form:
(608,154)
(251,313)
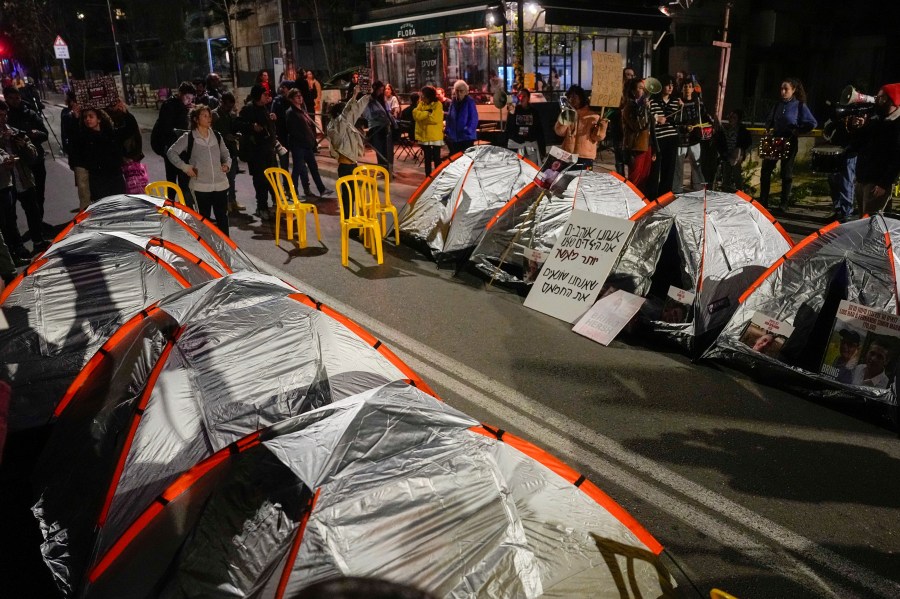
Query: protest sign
(606,81)
(608,316)
(579,263)
(558,161)
(100,92)
(863,346)
(766,335)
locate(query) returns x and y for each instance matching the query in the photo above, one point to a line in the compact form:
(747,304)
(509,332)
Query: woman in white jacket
(202,155)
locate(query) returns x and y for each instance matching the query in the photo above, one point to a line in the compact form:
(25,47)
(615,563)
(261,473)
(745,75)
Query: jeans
(306,157)
(216,202)
(842,184)
(232,175)
(8,217)
(787,177)
(83,184)
(692,153)
(383,142)
(261,186)
(345,170)
(431,157)
(667,159)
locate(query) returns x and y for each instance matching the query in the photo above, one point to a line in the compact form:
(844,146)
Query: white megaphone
(849,95)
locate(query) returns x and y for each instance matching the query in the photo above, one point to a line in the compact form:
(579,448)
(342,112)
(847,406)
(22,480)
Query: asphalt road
(751,489)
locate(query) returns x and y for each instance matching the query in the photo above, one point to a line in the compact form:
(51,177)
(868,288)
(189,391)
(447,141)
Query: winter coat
(429,120)
(462,120)
(207,156)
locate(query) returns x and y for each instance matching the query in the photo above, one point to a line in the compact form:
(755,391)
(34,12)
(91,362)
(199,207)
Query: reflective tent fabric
(150,216)
(69,301)
(712,244)
(449,211)
(857,261)
(392,484)
(533,220)
(197,371)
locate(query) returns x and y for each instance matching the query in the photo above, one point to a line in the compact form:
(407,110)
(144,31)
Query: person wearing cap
(848,356)
(878,164)
(258,142)
(173,121)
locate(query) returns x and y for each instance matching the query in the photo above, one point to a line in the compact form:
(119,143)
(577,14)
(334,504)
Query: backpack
(186,154)
(161,131)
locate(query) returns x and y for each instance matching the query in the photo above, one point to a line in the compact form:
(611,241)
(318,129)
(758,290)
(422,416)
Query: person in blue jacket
(462,119)
(789,117)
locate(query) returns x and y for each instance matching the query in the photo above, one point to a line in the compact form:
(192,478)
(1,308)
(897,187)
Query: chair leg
(290,225)
(396,229)
(315,213)
(277,225)
(301,230)
(345,244)
(379,255)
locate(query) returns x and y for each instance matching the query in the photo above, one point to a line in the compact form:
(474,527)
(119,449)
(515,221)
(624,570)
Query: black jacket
(879,156)
(27,120)
(173,115)
(300,130)
(256,146)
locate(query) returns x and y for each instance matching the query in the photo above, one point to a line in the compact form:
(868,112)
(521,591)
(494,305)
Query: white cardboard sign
(608,316)
(579,263)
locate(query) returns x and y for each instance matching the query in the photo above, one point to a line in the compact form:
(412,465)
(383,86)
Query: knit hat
(892,90)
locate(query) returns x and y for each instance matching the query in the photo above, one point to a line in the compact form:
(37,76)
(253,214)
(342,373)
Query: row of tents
(726,251)
(211,431)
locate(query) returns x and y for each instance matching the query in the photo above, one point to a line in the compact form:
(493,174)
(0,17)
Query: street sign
(60,48)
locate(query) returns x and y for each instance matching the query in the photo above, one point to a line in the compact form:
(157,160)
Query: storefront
(436,43)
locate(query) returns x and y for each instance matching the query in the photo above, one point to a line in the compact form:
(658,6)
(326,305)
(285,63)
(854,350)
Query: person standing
(429,118)
(17,184)
(733,143)
(581,128)
(615,126)
(663,108)
(345,139)
(25,119)
(262,78)
(637,138)
(391,101)
(172,122)
(523,128)
(101,151)
(689,119)
(315,90)
(258,144)
(225,122)
(70,125)
(789,117)
(280,106)
(129,135)
(381,124)
(878,164)
(462,119)
(301,134)
(207,165)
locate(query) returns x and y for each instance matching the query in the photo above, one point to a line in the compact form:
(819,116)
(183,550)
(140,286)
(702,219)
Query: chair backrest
(281,182)
(359,191)
(159,189)
(382,181)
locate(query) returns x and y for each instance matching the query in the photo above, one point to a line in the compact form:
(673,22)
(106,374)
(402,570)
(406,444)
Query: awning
(430,23)
(612,15)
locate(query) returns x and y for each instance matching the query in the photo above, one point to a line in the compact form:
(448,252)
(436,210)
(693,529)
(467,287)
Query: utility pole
(724,60)
(112,23)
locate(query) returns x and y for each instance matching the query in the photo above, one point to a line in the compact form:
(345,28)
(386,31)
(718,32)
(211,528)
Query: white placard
(579,263)
(608,316)
(62,52)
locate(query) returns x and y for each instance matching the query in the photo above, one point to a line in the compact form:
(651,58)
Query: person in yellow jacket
(429,118)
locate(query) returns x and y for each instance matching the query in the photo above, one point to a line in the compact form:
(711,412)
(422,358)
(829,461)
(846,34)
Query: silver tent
(70,300)
(532,221)
(711,244)
(150,216)
(449,211)
(856,261)
(390,483)
(199,370)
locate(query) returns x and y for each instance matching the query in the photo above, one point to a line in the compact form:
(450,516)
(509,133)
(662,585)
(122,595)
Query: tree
(30,26)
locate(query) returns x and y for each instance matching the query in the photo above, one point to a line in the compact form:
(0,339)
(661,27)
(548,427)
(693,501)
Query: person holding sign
(580,127)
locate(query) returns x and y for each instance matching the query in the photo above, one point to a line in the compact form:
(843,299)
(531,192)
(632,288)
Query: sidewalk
(805,217)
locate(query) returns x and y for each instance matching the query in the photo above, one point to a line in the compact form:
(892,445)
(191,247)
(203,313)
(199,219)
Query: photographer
(17,183)
(171,123)
(843,130)
(25,119)
(879,156)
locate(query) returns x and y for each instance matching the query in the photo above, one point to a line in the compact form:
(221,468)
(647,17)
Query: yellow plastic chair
(358,190)
(291,207)
(160,189)
(381,205)
(719,594)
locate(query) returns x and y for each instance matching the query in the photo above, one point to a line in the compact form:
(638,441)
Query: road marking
(532,419)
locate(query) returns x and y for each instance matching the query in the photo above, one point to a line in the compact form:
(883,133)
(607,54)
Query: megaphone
(849,95)
(652,85)
(500,98)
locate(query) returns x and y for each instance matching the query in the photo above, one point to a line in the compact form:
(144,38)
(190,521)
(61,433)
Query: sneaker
(40,246)
(326,193)
(235,206)
(18,261)
(263,214)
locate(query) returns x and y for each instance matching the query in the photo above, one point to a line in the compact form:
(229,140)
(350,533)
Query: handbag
(136,178)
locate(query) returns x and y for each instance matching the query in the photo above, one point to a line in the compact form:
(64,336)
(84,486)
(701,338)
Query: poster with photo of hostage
(99,92)
(766,335)
(558,161)
(678,307)
(863,346)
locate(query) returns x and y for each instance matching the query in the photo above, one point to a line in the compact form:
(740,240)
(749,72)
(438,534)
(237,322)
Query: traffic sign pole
(66,73)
